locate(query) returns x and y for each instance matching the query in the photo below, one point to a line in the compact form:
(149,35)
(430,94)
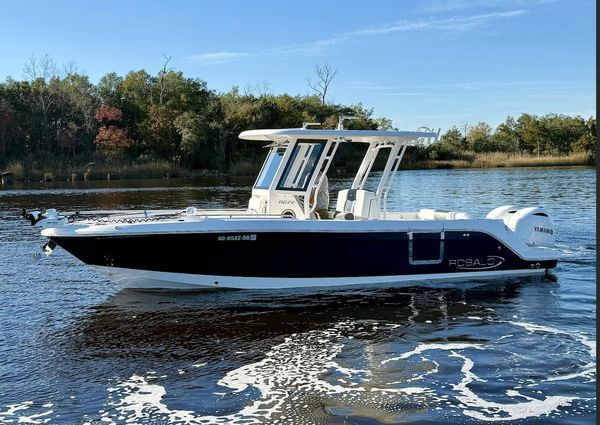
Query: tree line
(60,115)
(551,134)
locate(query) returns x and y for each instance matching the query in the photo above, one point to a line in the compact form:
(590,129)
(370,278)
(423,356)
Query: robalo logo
(483,263)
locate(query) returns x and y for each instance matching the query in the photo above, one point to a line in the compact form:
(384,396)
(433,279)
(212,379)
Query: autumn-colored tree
(106,115)
(111,140)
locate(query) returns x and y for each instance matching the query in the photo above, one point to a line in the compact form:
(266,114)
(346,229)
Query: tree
(162,134)
(74,117)
(384,124)
(111,140)
(7,125)
(109,89)
(199,138)
(42,73)
(161,79)
(587,142)
(449,146)
(320,84)
(506,138)
(529,131)
(480,137)
(56,112)
(452,138)
(561,132)
(465,127)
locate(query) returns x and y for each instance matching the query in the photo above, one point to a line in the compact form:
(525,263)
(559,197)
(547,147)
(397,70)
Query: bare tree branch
(258,89)
(40,73)
(324,76)
(162,74)
(44,68)
(70,68)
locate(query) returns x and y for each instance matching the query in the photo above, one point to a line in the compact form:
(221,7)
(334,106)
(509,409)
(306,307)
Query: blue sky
(433,62)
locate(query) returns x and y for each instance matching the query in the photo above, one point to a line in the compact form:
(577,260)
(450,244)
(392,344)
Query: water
(75,349)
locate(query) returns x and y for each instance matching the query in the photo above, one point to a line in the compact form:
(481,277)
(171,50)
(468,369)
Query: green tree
(7,126)
(506,137)
(587,142)
(561,132)
(450,145)
(480,137)
(530,134)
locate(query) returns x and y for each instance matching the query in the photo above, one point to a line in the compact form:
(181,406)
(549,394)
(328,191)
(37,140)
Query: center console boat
(280,241)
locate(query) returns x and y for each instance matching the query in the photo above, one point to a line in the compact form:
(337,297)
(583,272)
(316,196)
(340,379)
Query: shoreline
(182,173)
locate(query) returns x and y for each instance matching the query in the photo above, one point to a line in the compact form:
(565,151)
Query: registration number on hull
(235,238)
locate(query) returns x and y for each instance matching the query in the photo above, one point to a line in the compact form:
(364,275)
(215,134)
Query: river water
(76,349)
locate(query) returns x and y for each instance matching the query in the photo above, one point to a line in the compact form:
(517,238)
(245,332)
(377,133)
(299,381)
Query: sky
(435,63)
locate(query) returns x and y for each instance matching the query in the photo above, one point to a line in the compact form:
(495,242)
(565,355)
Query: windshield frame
(311,158)
(269,169)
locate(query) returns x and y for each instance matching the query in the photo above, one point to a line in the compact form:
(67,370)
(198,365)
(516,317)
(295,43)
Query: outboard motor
(533,225)
(50,218)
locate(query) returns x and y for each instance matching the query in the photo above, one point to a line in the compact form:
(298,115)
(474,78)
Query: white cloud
(214,58)
(318,47)
(459,24)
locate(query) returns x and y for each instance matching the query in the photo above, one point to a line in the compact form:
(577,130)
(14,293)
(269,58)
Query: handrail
(325,163)
(390,178)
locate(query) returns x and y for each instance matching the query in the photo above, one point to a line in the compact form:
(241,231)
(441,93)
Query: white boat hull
(145,279)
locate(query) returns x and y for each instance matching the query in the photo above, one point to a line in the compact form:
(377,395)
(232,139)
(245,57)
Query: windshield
(301,165)
(269,168)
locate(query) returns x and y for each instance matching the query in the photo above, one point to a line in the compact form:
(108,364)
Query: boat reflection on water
(194,319)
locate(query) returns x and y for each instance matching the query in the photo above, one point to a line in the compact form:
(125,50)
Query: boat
(283,239)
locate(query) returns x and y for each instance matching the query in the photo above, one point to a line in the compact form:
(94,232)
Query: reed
(62,172)
(501,159)
(245,168)
(16,168)
(164,169)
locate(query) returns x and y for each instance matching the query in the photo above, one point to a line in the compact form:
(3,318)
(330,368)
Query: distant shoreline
(155,170)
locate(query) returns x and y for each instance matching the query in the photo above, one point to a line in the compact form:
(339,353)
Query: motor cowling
(533,225)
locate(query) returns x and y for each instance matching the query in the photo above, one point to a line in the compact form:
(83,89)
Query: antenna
(306,124)
(342,118)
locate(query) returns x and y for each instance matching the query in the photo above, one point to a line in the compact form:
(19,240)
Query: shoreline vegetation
(56,125)
(163,169)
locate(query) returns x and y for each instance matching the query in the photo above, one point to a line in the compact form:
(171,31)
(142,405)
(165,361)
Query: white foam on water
(34,419)
(289,370)
(12,408)
(308,365)
(588,370)
(10,415)
(142,401)
(494,411)
(432,346)
(505,336)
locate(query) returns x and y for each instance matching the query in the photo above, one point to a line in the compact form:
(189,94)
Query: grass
(502,159)
(117,171)
(163,169)
(244,168)
(16,168)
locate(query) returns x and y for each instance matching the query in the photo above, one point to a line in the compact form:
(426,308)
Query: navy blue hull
(300,255)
